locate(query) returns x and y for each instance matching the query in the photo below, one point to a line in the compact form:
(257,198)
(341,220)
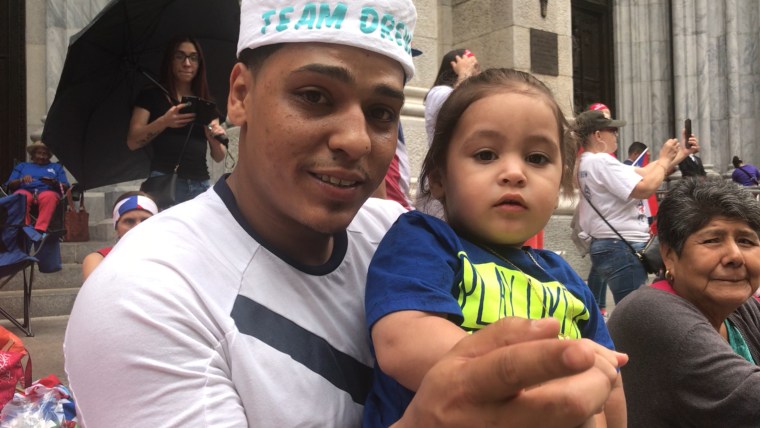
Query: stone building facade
(654,62)
(671,59)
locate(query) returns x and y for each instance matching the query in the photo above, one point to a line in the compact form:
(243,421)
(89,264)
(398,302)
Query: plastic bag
(45,404)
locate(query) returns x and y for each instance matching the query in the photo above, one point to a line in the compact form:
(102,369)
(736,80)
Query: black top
(168,145)
(692,167)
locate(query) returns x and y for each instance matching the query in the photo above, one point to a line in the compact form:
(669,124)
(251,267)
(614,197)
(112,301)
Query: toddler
(499,157)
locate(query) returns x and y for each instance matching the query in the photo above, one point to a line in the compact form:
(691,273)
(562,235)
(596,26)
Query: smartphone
(205,110)
(687,126)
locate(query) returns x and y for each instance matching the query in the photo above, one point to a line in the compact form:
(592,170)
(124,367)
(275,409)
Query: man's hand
(516,373)
(691,144)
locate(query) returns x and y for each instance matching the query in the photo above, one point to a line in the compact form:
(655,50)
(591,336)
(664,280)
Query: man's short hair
(636,148)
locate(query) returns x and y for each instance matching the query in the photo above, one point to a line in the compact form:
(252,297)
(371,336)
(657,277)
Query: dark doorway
(593,60)
(12,85)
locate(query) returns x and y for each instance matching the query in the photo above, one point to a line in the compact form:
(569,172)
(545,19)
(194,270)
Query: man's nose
(351,136)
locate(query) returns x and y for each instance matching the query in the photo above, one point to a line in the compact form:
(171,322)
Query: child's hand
(515,371)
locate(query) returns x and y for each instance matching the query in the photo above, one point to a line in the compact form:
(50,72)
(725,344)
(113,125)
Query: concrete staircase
(53,294)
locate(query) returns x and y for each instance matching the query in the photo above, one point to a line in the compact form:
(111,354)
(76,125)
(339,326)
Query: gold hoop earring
(669,276)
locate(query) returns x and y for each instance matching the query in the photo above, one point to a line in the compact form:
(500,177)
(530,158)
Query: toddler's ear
(435,183)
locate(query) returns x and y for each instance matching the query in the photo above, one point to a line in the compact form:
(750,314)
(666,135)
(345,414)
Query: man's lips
(335,181)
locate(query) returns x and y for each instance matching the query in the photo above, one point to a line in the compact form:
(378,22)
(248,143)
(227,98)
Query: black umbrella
(110,61)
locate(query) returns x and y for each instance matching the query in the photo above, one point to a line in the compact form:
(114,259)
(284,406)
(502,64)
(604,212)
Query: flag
(643,159)
(650,205)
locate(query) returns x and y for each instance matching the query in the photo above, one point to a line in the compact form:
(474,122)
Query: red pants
(47,200)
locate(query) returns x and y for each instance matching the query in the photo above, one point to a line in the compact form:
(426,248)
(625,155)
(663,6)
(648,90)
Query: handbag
(162,188)
(76,222)
(649,256)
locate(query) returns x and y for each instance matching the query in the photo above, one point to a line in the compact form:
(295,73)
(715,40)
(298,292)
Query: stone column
(710,76)
(643,72)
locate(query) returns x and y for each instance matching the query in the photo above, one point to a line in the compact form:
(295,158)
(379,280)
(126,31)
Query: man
(41,181)
(636,149)
(692,165)
(244,306)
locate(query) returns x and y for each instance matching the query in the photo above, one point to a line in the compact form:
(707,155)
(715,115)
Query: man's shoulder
(375,217)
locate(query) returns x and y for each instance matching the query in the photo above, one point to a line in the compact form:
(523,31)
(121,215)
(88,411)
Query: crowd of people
(305,289)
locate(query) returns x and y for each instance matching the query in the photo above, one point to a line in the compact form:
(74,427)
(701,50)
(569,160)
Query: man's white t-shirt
(192,321)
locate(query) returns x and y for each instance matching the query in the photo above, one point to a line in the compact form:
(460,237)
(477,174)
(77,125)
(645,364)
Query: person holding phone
(613,195)
(691,166)
(170,128)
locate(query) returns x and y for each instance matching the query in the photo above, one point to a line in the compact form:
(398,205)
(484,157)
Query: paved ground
(46,347)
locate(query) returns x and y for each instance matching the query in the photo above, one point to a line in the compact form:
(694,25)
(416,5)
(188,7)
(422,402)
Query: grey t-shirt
(681,371)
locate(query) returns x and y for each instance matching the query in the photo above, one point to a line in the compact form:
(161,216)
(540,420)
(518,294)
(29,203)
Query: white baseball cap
(382,26)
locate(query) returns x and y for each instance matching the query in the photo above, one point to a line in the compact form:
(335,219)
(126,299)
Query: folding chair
(18,247)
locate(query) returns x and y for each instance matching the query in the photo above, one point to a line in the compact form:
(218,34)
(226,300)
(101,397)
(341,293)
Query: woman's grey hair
(694,202)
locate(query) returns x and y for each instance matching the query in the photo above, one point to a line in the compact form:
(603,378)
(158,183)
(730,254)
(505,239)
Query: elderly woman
(694,337)
(41,181)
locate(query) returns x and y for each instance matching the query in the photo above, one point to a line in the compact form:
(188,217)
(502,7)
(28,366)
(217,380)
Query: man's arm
(517,372)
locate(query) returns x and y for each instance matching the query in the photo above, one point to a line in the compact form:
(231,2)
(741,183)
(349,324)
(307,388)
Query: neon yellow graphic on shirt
(489,292)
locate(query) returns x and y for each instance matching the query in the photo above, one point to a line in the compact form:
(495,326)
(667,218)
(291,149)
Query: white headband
(136,202)
(382,26)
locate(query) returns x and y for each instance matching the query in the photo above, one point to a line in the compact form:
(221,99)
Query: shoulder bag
(162,188)
(751,177)
(649,256)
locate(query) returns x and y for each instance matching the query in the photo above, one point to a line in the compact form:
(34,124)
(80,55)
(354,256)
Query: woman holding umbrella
(157,119)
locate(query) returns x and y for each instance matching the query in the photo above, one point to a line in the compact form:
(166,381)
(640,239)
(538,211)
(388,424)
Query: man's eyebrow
(339,73)
(389,91)
(345,76)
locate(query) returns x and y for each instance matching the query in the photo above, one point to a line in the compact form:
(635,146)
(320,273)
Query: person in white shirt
(616,191)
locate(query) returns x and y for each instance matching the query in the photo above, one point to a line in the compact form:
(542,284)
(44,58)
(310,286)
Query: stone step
(68,277)
(45,303)
(74,252)
(53,294)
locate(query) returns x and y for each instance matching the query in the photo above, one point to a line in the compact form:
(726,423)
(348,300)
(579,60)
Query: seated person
(41,181)
(131,209)
(746,175)
(694,337)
